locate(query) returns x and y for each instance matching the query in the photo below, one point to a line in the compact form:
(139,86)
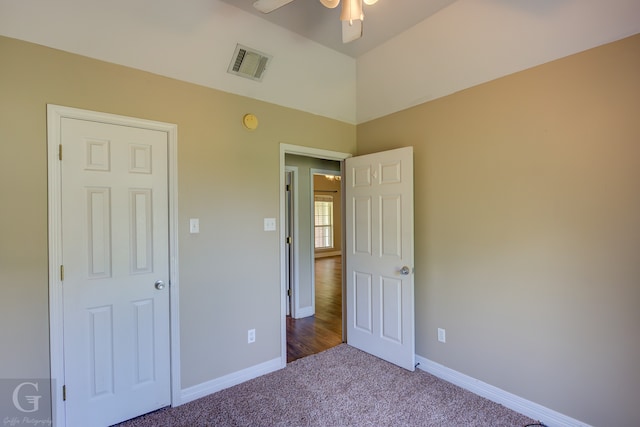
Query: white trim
(213,386)
(302,151)
(326,254)
(55,113)
(58,415)
(312,152)
(295,289)
(526,407)
(174,267)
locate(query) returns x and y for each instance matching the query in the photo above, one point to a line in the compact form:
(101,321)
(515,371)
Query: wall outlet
(442,335)
(251,336)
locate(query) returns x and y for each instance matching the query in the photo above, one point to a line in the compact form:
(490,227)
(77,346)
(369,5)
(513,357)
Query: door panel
(100,351)
(363,315)
(114,249)
(362,225)
(391,309)
(379,212)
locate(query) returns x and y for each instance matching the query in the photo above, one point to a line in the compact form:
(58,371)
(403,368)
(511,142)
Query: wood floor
(314,334)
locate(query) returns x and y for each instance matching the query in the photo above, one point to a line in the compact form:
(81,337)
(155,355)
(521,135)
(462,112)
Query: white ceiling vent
(249,63)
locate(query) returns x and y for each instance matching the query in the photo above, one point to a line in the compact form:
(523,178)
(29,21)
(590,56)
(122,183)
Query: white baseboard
(533,410)
(209,387)
(327,254)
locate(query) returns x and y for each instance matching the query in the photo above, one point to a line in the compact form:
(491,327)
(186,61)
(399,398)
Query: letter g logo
(33,400)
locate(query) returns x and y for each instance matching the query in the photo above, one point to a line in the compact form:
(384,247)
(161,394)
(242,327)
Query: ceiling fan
(351,15)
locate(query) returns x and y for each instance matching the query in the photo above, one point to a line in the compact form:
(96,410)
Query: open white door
(379,256)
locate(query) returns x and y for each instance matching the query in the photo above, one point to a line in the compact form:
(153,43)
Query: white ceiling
(382,21)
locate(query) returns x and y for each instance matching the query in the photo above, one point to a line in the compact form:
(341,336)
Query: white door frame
(300,151)
(295,268)
(55,113)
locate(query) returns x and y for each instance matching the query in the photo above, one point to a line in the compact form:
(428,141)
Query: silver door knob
(405,271)
(159,285)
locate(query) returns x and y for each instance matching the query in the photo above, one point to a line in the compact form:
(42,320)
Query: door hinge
(289,292)
(288,187)
(60,152)
(64,393)
(289,240)
(62,273)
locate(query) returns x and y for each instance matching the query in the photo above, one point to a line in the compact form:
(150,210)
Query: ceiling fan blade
(351,30)
(330,3)
(266,6)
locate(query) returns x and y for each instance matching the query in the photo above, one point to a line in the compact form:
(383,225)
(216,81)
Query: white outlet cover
(442,335)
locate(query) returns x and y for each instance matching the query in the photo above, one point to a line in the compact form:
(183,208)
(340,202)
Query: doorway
(315,321)
(378,303)
(322,329)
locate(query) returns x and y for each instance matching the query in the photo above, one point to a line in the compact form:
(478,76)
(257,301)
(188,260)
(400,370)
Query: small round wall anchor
(250,121)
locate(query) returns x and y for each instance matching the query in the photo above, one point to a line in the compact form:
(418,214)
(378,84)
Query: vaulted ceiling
(382,21)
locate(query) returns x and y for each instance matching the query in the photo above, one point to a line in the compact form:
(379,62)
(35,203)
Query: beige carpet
(342,386)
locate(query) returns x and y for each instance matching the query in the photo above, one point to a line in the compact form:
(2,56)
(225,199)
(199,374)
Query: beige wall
(527,219)
(228,177)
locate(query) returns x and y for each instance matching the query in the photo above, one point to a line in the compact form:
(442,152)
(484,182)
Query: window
(323,214)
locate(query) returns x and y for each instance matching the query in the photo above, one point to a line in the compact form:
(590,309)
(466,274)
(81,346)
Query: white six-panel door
(114,251)
(379,258)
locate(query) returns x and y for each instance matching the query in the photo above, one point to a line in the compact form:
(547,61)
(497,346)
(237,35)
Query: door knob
(159,285)
(405,271)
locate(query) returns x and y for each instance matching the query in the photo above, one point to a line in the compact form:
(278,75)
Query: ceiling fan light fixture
(351,17)
(351,30)
(351,10)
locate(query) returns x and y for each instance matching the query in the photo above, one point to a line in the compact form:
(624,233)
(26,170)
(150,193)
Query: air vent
(249,63)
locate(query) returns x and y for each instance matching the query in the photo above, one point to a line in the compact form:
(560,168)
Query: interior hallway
(322,331)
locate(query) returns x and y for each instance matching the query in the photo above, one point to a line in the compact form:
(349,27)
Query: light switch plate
(194,225)
(269,224)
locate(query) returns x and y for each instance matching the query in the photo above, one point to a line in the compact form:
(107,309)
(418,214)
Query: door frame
(308,152)
(294,269)
(55,113)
